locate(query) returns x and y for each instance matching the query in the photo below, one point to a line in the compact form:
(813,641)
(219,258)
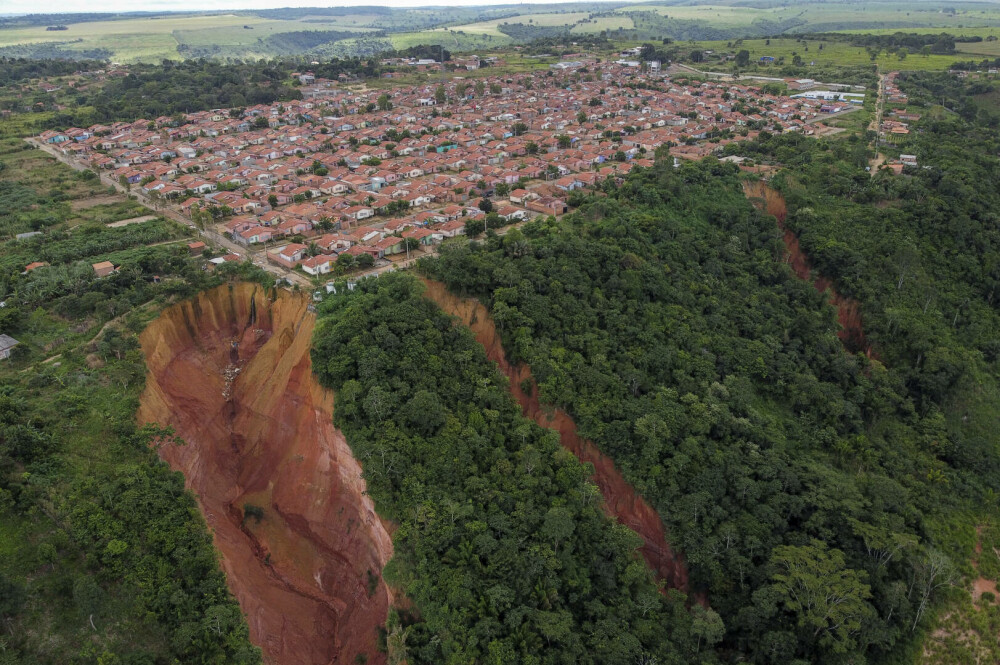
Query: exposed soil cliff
(230,371)
(852,332)
(621,499)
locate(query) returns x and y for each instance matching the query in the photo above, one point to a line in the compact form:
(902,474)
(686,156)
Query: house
(289,255)
(510,213)
(104,268)
(7,344)
(521,196)
(252,235)
(422,236)
(548,205)
(317,265)
(196,248)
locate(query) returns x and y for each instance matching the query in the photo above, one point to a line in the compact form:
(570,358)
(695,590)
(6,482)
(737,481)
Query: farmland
(364,31)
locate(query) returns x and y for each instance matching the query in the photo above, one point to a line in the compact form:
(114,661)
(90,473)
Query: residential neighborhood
(384,172)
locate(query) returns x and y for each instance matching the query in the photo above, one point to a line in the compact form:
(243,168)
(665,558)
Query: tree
(272,200)
(563,141)
(480,88)
(558,525)
(383,102)
(697,56)
(439,95)
(502,189)
(424,412)
(743,58)
(473,227)
(485,205)
(707,626)
(365,260)
(827,599)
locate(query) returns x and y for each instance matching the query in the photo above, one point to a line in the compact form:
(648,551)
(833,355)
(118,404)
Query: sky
(86,6)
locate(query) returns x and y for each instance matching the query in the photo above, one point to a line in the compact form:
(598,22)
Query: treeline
(553,42)
(303,41)
(22,69)
(150,91)
(53,51)
(941,44)
(524,32)
(501,545)
(422,51)
(802,483)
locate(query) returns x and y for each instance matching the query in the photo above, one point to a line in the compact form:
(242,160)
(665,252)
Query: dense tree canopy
(502,544)
(662,317)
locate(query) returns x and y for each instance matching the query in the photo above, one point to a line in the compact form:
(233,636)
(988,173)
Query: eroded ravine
(852,333)
(230,370)
(621,499)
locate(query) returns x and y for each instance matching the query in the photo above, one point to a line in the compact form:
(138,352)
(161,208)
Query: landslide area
(621,500)
(301,544)
(851,333)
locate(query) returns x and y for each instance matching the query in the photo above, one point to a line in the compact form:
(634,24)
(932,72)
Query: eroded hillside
(230,370)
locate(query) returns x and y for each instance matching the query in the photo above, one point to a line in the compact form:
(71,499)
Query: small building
(196,247)
(104,268)
(7,344)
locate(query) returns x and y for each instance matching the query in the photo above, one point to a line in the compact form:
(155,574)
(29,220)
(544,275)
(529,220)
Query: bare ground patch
(90,202)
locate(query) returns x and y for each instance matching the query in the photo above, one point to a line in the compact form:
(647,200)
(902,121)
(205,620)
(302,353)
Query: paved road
(169,211)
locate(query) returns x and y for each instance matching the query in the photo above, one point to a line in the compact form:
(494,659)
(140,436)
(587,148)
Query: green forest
(823,499)
(502,545)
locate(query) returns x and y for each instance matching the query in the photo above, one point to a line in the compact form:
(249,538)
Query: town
(366,177)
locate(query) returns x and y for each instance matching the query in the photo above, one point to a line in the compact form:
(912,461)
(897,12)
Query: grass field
(152,39)
(594,25)
(817,16)
(718,16)
(451,38)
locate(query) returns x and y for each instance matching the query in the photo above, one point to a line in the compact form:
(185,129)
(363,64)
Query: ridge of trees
(502,544)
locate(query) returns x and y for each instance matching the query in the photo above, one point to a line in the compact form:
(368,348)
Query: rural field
(340,32)
(152,39)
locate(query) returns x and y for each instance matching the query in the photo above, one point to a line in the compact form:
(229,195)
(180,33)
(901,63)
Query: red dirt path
(620,498)
(851,333)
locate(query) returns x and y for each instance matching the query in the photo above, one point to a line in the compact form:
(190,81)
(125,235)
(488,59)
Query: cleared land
(151,39)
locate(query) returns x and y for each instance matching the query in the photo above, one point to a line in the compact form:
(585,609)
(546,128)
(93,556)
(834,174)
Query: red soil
(852,333)
(264,435)
(620,499)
